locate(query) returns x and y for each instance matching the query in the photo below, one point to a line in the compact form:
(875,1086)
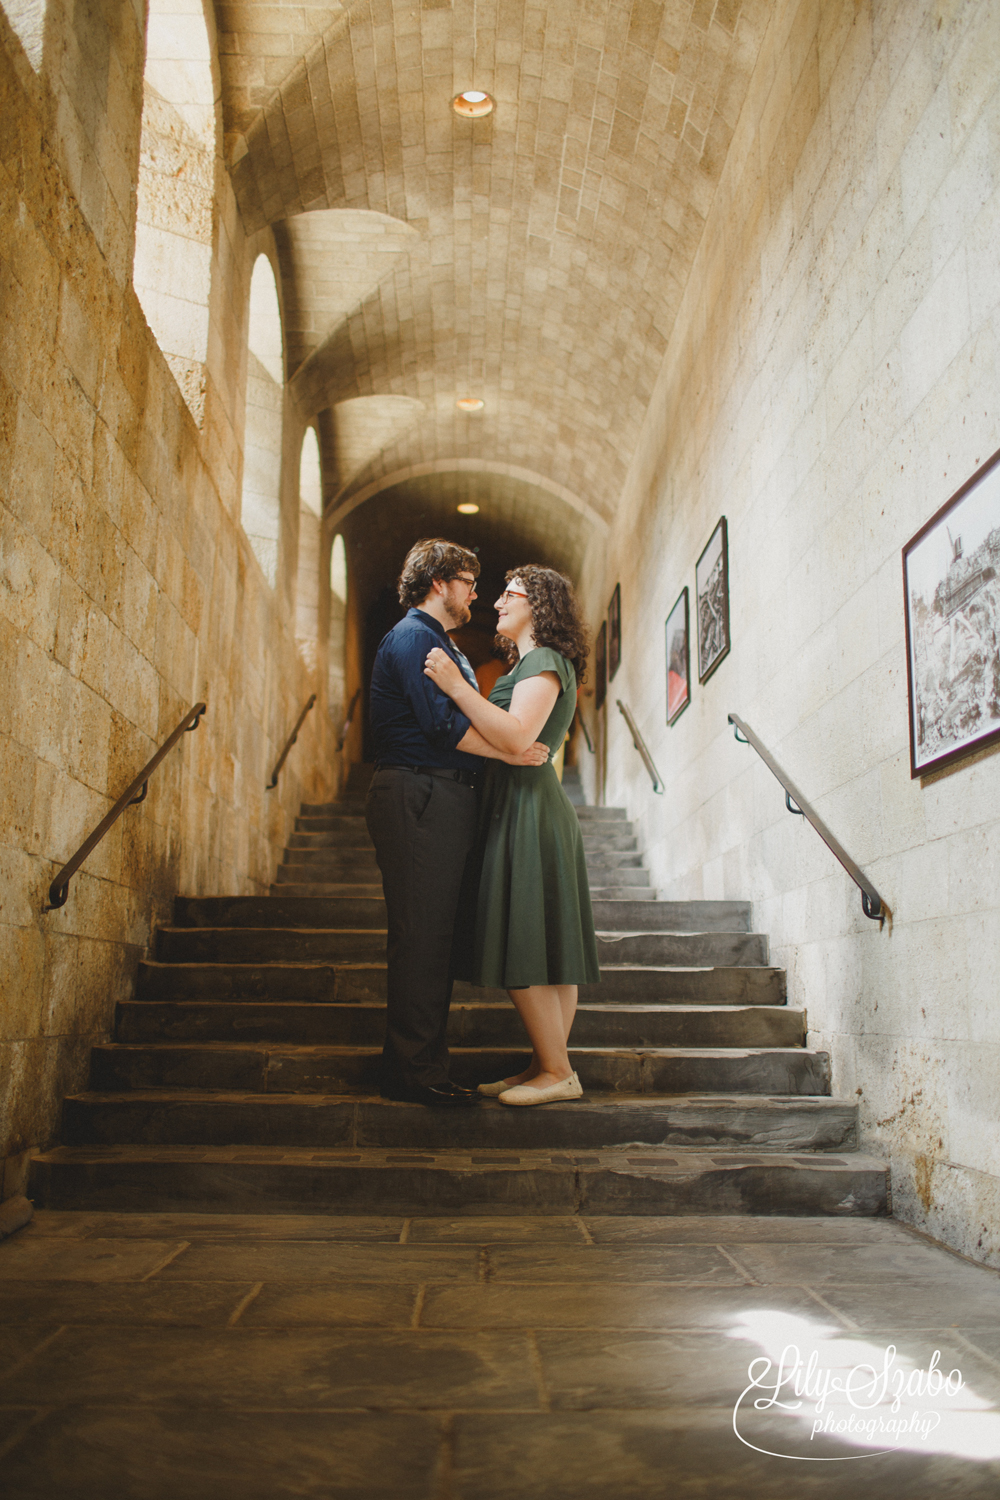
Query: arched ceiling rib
(556,236)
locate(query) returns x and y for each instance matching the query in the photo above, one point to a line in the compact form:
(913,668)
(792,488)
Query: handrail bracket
(131,797)
(640,745)
(871,902)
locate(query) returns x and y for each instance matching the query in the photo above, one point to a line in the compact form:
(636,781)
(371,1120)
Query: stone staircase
(243,1074)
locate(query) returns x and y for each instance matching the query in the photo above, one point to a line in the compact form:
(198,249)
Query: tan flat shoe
(525,1093)
(492,1090)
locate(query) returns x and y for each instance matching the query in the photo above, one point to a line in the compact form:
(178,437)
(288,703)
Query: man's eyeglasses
(511,594)
(470,583)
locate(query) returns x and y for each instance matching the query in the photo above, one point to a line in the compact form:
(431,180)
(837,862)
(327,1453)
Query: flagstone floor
(197,1357)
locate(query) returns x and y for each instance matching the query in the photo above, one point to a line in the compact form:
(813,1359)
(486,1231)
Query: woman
(533,925)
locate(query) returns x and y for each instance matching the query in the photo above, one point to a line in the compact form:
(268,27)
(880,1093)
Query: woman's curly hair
(555,617)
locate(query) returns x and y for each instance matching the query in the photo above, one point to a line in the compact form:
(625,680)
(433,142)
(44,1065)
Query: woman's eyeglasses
(511,594)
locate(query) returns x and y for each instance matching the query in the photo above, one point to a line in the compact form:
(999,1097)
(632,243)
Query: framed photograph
(678,659)
(601,666)
(615,632)
(951,587)
(711,585)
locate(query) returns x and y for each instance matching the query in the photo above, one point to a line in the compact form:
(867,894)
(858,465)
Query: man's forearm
(473,743)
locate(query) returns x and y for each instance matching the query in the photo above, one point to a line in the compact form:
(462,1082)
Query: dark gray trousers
(423,828)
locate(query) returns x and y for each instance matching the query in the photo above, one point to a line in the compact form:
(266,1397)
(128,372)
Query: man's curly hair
(555,618)
(430,559)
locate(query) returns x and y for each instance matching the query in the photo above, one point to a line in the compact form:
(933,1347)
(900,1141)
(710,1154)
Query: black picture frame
(601,666)
(951,603)
(615,632)
(711,587)
(678,643)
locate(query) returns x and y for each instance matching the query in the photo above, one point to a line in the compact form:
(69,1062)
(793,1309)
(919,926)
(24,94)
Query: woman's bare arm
(473,743)
(532,702)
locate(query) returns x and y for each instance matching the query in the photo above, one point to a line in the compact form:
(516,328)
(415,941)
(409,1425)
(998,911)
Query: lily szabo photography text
(952,571)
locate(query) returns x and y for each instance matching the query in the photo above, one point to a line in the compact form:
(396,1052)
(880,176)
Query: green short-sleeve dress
(528,915)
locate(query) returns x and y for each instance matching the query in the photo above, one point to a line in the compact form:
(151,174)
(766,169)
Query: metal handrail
(288,744)
(59,889)
(872,903)
(586,735)
(346,729)
(640,745)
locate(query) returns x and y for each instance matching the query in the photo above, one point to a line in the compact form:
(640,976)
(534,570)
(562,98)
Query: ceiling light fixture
(470,403)
(473,104)
(468,509)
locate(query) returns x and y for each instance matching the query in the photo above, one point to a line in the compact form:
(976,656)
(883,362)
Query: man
(421,814)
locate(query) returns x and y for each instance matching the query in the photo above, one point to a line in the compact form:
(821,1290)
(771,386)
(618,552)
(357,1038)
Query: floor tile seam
(14,1441)
(30,1354)
(665,1330)
(322,1284)
(373,1409)
(167,1260)
(844,1318)
(242,1305)
(748,1277)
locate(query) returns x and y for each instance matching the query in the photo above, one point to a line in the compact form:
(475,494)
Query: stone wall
(128,590)
(831,381)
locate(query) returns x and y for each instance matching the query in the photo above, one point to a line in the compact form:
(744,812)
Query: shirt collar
(428,620)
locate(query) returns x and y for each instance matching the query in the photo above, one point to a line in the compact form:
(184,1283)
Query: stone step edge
(353,965)
(289,1180)
(607,935)
(590,1007)
(591,1100)
(365,1049)
(614,1156)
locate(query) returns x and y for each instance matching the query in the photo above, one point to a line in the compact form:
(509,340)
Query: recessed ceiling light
(468,509)
(470,403)
(473,104)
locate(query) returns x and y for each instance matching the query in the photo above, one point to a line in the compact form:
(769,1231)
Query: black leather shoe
(436,1098)
(460,1088)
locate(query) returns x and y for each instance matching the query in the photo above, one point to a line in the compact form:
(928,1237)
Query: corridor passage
(153,1357)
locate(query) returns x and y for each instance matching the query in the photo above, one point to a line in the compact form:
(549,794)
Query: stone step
(352,982)
(622,892)
(301,866)
(640,1181)
(357,843)
(476,1024)
(325,944)
(210,945)
(290,909)
(326,873)
(670,916)
(682,948)
(610,839)
(193,1117)
(326,890)
(250,1067)
(336,912)
(591,815)
(346,864)
(620,877)
(344,807)
(615,859)
(354,827)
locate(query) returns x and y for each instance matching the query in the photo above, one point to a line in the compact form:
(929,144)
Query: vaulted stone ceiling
(538,256)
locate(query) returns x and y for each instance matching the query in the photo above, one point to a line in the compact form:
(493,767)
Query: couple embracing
(479,847)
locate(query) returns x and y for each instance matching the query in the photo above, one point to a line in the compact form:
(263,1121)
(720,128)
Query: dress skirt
(528,918)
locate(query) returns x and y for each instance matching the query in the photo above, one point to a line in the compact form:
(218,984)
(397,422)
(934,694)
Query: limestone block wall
(128,589)
(832,379)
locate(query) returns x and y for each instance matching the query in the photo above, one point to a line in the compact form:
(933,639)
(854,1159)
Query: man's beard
(460,613)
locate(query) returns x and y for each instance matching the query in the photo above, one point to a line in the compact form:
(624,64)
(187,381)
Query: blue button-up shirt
(413,723)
